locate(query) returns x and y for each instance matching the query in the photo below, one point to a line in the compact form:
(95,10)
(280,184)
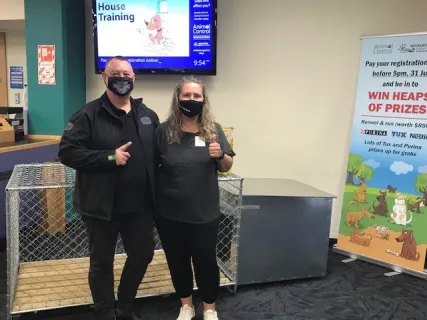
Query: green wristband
(112,157)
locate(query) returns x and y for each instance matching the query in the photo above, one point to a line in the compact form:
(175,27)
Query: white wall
(16,56)
(12,22)
(287,74)
(12,10)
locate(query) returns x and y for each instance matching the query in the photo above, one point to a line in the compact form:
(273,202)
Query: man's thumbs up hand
(214,148)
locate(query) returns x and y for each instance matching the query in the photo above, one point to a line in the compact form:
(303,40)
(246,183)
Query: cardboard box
(53,204)
(18,128)
(14,115)
(7,133)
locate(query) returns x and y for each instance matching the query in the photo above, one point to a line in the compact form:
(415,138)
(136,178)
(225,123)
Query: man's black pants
(184,243)
(136,231)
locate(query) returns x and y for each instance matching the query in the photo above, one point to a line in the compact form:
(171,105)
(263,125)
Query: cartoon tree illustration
(421,184)
(353,166)
(365,173)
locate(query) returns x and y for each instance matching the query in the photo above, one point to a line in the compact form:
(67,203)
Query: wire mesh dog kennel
(47,252)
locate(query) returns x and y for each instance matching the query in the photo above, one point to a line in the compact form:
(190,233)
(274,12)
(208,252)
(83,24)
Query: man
(109,142)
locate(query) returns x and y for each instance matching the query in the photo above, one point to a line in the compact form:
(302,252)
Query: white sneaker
(210,315)
(186,313)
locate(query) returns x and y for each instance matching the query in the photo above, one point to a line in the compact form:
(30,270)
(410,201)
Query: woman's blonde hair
(174,121)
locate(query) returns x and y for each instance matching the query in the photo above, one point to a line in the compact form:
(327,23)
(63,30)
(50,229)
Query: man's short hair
(120,58)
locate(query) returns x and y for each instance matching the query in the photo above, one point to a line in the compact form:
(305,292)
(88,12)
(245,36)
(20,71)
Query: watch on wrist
(222,155)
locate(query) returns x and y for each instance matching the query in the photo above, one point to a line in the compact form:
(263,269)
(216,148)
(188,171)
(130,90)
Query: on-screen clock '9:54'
(200,62)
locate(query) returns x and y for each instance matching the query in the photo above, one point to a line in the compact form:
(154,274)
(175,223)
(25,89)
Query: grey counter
(284,231)
(281,188)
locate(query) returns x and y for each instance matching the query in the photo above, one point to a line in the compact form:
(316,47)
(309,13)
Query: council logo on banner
(416,47)
(384,210)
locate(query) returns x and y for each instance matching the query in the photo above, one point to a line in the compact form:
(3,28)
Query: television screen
(157,36)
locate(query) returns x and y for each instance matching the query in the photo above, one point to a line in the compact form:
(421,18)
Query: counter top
(281,188)
(31,141)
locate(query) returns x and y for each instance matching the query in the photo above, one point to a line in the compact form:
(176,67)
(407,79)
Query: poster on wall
(384,213)
(46,64)
(16,75)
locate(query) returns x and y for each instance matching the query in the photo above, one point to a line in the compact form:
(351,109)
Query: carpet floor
(351,291)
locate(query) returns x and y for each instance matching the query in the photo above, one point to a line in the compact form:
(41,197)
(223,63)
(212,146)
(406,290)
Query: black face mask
(191,108)
(120,86)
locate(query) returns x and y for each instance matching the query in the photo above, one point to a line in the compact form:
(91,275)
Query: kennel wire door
(47,251)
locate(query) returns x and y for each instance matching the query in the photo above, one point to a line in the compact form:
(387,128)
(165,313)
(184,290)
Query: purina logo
(383,49)
(374,132)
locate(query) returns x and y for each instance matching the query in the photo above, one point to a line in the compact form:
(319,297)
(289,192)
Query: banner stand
(384,212)
(380,263)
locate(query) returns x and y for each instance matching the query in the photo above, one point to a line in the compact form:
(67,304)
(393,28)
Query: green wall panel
(60,23)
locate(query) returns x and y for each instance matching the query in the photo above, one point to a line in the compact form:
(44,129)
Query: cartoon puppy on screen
(155,24)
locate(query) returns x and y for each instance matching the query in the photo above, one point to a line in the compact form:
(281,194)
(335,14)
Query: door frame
(4,85)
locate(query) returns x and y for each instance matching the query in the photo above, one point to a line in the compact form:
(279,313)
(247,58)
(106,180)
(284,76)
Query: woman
(191,148)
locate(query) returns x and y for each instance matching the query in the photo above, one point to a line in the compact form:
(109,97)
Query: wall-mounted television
(157,36)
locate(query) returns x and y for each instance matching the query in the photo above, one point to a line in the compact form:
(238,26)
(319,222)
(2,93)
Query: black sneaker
(105,317)
(127,316)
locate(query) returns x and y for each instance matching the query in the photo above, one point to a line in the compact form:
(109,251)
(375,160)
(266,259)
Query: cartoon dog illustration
(391,189)
(382,231)
(417,205)
(409,246)
(381,208)
(399,215)
(360,194)
(354,217)
(155,23)
(360,238)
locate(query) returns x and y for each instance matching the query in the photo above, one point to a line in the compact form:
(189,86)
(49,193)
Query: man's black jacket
(88,145)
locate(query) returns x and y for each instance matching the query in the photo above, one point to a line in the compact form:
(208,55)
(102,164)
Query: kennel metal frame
(47,253)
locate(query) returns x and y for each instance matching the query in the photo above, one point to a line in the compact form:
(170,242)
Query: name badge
(199,142)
